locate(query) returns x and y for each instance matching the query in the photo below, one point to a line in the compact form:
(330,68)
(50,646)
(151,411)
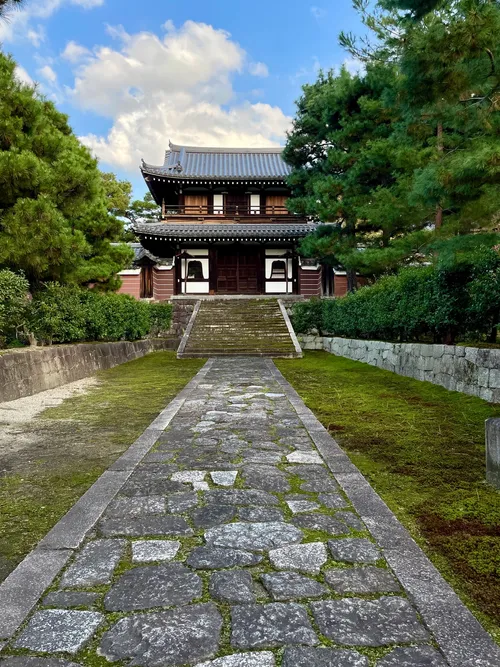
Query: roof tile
(226,231)
(192,162)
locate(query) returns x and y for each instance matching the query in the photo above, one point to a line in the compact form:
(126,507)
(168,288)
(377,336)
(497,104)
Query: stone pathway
(243,538)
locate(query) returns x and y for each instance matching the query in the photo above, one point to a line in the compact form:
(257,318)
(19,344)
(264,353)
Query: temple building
(224,228)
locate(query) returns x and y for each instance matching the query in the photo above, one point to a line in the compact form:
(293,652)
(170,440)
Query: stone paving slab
(94,564)
(235,533)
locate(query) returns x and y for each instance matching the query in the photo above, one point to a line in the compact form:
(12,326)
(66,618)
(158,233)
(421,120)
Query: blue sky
(132,75)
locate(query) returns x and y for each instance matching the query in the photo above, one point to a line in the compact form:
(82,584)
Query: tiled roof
(191,162)
(224,231)
(140,253)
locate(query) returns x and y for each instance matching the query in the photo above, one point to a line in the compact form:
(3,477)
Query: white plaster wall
(193,287)
(279,288)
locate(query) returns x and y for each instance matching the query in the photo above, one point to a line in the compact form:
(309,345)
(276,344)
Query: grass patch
(69,446)
(422,448)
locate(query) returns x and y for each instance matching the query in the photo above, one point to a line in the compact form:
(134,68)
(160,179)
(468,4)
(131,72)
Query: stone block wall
(181,314)
(471,370)
(27,372)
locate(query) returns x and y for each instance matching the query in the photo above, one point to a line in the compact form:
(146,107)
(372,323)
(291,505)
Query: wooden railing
(227,210)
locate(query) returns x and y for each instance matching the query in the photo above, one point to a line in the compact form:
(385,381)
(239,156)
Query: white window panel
(255,204)
(218,204)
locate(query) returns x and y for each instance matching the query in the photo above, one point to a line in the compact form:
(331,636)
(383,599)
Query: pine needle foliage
(407,151)
(55,224)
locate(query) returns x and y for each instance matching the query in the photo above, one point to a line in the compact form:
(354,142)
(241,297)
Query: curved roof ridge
(225,230)
(206,162)
(222,149)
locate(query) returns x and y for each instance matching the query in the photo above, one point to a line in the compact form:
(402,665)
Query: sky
(133,75)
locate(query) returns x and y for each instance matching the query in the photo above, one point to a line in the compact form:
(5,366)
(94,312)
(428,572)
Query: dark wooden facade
(225,227)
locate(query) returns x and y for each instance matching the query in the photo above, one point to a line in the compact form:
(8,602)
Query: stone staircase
(239,327)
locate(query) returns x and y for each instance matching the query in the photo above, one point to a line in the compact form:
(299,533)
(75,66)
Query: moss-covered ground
(422,448)
(66,449)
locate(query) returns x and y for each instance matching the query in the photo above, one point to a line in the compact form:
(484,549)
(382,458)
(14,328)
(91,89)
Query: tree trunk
(439,210)
(449,337)
(492,338)
(352,282)
(439,217)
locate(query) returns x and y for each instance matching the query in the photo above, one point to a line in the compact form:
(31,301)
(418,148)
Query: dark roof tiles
(192,162)
(225,231)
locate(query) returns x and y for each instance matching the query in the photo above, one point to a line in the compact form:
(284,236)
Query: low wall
(470,370)
(26,372)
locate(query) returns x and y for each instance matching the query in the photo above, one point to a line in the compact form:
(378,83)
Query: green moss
(72,444)
(422,448)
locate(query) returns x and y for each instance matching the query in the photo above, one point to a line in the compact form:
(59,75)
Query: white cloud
(318,12)
(19,23)
(258,69)
(88,4)
(117,32)
(74,52)
(48,74)
(354,66)
(36,36)
(178,87)
(23,76)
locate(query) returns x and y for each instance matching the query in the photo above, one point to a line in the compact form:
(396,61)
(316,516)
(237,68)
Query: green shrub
(13,305)
(115,316)
(161,318)
(58,314)
(61,314)
(307,316)
(458,298)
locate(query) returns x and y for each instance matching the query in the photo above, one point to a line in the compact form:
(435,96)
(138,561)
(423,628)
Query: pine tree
(348,172)
(415,8)
(452,89)
(144,210)
(6,5)
(54,218)
(449,96)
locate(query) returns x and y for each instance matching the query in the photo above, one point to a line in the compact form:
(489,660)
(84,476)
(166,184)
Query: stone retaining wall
(470,370)
(26,372)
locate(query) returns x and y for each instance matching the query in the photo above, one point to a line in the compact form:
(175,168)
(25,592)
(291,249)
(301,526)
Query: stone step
(240,328)
(236,353)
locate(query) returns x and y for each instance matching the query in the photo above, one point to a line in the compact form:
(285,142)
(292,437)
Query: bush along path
(235,532)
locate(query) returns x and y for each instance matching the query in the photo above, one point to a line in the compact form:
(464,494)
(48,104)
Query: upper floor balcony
(227,212)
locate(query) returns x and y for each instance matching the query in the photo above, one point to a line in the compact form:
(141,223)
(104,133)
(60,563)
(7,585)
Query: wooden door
(227,271)
(196,204)
(248,272)
(146,282)
(237,204)
(238,271)
(275,205)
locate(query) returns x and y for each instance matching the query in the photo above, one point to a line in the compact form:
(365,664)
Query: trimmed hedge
(60,314)
(14,304)
(452,301)
(65,314)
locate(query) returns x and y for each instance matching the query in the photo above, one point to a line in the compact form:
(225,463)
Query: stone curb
(187,333)
(464,642)
(22,589)
(290,328)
